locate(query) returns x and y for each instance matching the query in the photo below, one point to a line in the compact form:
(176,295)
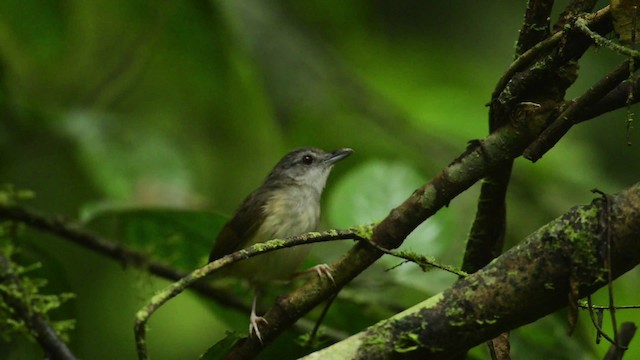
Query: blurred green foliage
(178,237)
(161,106)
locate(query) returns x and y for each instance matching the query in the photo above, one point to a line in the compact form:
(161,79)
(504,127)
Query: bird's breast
(287,213)
(291,212)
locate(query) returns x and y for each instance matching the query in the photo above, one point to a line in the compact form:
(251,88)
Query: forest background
(111,104)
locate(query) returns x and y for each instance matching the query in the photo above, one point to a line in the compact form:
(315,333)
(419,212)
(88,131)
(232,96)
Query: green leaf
(369,192)
(183,238)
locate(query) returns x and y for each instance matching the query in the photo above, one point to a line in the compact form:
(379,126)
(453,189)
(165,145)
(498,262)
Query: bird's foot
(324,271)
(254,320)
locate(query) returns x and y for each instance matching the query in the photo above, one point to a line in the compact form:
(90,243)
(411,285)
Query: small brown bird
(286,204)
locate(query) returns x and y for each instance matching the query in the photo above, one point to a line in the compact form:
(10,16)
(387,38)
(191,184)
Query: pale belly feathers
(292,214)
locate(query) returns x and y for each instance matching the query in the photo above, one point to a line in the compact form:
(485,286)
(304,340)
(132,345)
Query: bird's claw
(254,320)
(324,271)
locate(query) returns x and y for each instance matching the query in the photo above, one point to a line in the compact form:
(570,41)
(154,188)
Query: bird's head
(307,166)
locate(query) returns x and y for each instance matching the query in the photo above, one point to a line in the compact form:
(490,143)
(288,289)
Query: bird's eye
(307,159)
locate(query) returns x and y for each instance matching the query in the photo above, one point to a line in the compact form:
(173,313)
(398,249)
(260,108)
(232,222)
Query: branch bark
(171,291)
(535,27)
(528,100)
(526,283)
(486,237)
(505,144)
(111,249)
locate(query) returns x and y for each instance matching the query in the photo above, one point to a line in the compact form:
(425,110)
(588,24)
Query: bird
(286,204)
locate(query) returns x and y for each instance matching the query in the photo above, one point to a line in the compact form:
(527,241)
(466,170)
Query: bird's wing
(240,229)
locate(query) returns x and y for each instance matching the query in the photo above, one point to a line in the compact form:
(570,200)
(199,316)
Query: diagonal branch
(526,283)
(614,100)
(503,145)
(424,262)
(178,287)
(570,115)
(530,98)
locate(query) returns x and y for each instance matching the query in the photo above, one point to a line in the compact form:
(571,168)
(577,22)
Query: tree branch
(113,250)
(143,315)
(535,27)
(487,234)
(573,9)
(45,335)
(615,99)
(563,122)
(128,257)
(424,262)
(526,283)
(530,97)
(503,145)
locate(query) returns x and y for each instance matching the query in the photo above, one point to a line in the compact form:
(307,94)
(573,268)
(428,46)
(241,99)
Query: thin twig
(422,261)
(567,118)
(324,313)
(607,307)
(143,315)
(539,49)
(600,40)
(608,265)
(595,322)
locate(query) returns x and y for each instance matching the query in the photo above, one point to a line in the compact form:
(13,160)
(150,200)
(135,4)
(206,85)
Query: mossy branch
(143,315)
(532,68)
(524,284)
(423,261)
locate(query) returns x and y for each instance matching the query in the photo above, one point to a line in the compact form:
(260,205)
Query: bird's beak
(337,155)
